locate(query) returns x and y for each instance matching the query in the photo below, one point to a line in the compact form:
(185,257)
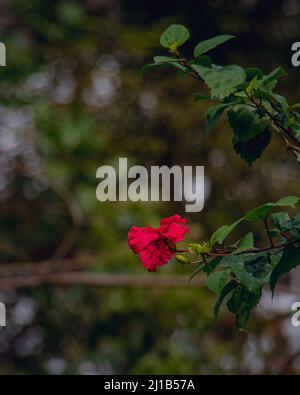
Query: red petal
(139,238)
(173,229)
(153,256)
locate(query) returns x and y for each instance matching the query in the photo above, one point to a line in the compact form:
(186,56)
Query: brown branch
(225,253)
(98,280)
(292,144)
(109,281)
(43,267)
(192,73)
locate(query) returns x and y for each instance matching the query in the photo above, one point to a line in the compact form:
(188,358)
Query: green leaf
(296,132)
(295,106)
(293,227)
(174,36)
(204,61)
(221,233)
(268,80)
(228,288)
(202,97)
(260,213)
(279,219)
(208,267)
(246,123)
(252,72)
(218,234)
(242,302)
(289,260)
(251,85)
(161,61)
(221,80)
(165,59)
(289,201)
(241,94)
(207,45)
(216,281)
(246,278)
(245,243)
(257,265)
(281,100)
(296,221)
(229,260)
(211,264)
(213,114)
(252,149)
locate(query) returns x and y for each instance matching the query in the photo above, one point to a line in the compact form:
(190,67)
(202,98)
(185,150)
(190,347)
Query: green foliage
(241,269)
(207,45)
(260,213)
(239,266)
(242,302)
(245,243)
(118,330)
(270,80)
(246,123)
(289,260)
(199,248)
(222,81)
(213,114)
(174,36)
(252,149)
(254,109)
(226,290)
(202,97)
(280,219)
(216,281)
(220,234)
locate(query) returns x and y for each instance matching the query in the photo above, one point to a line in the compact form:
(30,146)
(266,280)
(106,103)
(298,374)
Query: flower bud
(199,248)
(181,259)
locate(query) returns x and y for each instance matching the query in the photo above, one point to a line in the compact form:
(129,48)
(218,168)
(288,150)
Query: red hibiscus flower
(156,246)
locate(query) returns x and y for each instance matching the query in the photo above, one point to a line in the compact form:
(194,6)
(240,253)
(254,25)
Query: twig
(269,233)
(192,73)
(293,145)
(108,280)
(251,251)
(96,279)
(43,267)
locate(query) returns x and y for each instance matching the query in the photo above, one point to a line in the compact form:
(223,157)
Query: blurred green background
(72,99)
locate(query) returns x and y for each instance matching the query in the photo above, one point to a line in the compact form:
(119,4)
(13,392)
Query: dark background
(72,99)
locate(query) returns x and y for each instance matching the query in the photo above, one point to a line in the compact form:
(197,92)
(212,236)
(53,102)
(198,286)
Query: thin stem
(253,250)
(285,236)
(293,145)
(193,73)
(204,258)
(268,232)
